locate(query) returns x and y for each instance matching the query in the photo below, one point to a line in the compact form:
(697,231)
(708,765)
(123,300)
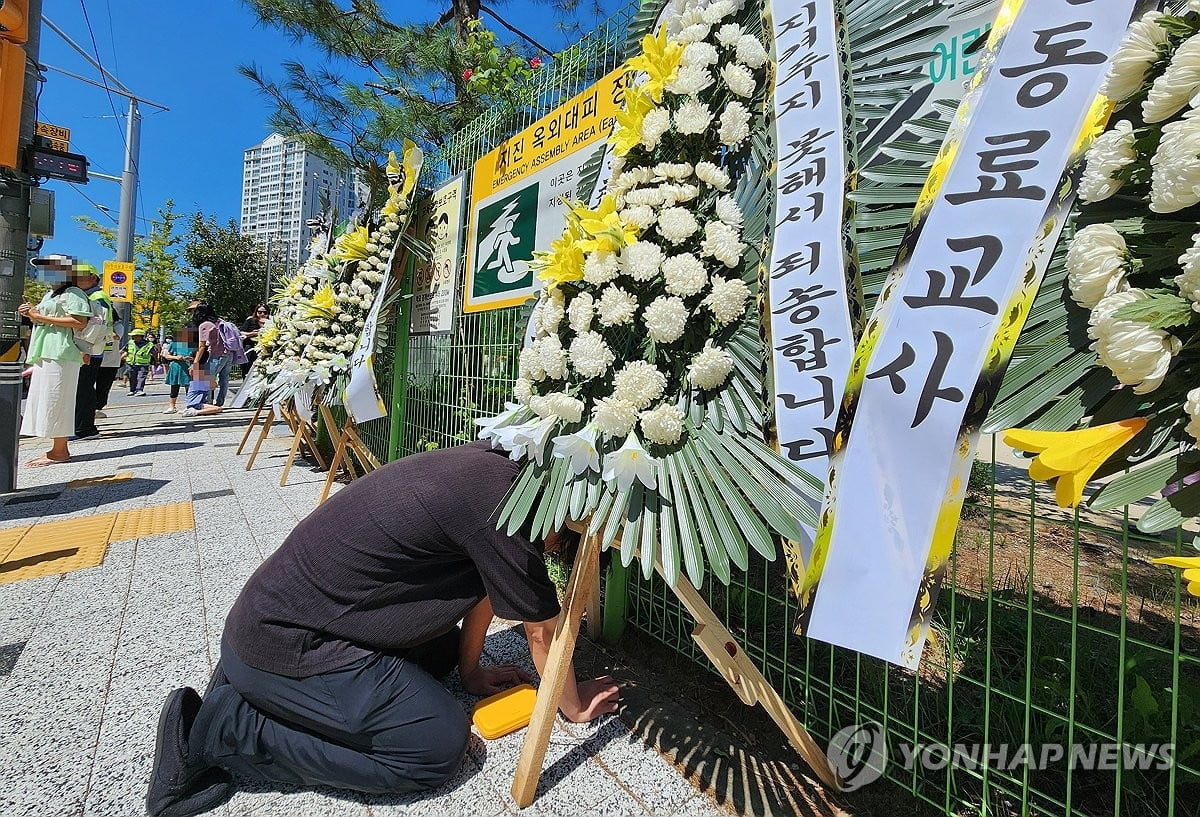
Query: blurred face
(187,335)
(55,275)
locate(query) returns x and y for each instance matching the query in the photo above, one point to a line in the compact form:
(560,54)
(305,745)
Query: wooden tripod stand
(583,592)
(348,448)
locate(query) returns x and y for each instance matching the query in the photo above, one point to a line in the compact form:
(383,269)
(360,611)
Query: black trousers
(85,398)
(104,382)
(380,725)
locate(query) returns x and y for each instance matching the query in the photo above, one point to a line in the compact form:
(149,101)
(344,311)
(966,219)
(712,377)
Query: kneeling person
(329,655)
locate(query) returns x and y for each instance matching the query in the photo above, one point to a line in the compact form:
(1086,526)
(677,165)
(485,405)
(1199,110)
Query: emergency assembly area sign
(517,192)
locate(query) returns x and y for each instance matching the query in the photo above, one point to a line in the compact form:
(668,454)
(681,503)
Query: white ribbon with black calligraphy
(917,388)
(812,331)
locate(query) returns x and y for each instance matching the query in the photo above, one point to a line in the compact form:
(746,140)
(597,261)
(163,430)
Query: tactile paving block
(9,538)
(153,521)
(90,481)
(58,547)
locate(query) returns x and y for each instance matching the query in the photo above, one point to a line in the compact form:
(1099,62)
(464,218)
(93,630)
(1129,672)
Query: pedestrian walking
(87,394)
(137,356)
(65,309)
(250,329)
(179,357)
(214,348)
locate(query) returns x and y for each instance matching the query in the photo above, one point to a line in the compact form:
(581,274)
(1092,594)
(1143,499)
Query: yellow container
(505,712)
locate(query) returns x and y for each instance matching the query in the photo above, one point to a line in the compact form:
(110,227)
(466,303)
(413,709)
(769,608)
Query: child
(198,388)
(137,356)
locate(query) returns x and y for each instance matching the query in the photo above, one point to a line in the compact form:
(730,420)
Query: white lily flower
(532,438)
(489,426)
(580,449)
(630,462)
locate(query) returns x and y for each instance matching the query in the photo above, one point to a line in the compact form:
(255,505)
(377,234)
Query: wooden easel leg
(743,676)
(266,429)
(338,454)
(593,600)
(253,422)
(287,468)
(584,574)
(310,444)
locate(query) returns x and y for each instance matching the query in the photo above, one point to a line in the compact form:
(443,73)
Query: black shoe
(83,435)
(181,786)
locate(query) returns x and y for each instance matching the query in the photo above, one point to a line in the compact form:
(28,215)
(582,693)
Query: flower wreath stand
(348,447)
(298,416)
(722,649)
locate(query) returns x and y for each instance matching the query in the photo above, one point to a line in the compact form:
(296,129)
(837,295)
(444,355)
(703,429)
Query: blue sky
(183,56)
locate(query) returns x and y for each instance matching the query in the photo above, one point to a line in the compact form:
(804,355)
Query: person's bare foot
(44,460)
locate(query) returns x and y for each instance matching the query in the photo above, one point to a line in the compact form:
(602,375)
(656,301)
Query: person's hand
(24,309)
(492,679)
(597,697)
(87,359)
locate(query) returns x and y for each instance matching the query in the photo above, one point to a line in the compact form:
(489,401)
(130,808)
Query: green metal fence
(1051,629)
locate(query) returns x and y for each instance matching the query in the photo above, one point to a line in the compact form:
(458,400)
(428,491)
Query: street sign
(517,192)
(58,137)
(118,280)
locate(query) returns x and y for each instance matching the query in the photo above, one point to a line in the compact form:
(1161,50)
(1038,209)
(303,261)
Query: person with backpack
(87,393)
(221,345)
(54,357)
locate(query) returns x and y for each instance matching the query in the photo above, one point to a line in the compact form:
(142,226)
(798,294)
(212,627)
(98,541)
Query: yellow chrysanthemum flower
(294,284)
(268,338)
(352,245)
(1072,456)
(323,304)
(1191,570)
(659,60)
(628,132)
(605,230)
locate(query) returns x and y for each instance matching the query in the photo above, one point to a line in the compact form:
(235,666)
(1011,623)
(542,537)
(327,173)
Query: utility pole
(14,253)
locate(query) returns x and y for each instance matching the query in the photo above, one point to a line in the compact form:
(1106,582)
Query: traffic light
(14,20)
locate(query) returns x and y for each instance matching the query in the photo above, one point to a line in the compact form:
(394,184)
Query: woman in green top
(180,354)
(50,408)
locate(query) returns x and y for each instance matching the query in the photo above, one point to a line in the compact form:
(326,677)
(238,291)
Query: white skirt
(50,407)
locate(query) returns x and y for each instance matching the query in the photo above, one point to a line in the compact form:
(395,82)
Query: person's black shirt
(391,561)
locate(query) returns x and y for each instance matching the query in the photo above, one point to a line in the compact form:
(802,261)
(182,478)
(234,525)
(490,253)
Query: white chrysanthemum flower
(727,300)
(654,124)
(729,34)
(614,417)
(672,170)
(735,124)
(676,224)
(1178,84)
(685,274)
(580,312)
(710,368)
(558,404)
(639,383)
(616,306)
(1096,264)
(1189,281)
(642,260)
(1112,151)
(750,51)
(723,243)
(695,33)
(530,365)
(729,212)
(718,11)
(662,425)
(590,355)
(628,179)
(690,80)
(1175,171)
(1137,355)
(693,116)
(1135,58)
(522,391)
(553,356)
(678,193)
(739,79)
(554,309)
(1192,404)
(649,196)
(702,54)
(640,216)
(600,267)
(712,175)
(665,318)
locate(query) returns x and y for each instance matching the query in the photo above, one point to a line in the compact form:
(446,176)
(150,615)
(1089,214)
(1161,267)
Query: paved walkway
(87,657)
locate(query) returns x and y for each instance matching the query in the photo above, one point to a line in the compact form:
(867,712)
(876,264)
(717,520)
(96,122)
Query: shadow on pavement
(53,500)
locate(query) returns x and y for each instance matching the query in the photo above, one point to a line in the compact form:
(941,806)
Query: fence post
(400,363)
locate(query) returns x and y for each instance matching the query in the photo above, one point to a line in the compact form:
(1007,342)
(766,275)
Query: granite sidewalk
(87,657)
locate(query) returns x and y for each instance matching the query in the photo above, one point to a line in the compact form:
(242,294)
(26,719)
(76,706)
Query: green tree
(383,81)
(157,288)
(230,268)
